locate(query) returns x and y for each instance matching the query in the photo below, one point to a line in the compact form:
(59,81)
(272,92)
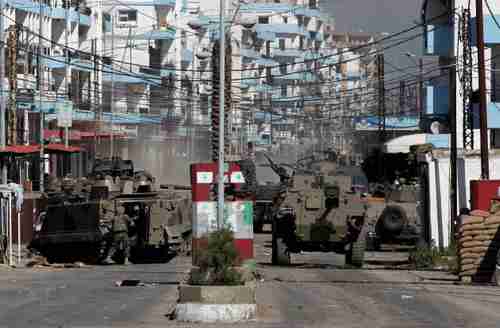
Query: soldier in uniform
(119,229)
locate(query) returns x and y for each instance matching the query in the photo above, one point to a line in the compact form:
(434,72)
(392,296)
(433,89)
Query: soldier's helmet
(142,183)
(68,184)
(120,210)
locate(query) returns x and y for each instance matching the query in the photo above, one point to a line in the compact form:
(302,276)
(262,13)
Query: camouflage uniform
(119,229)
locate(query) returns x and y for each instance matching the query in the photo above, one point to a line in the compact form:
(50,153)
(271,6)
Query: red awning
(78,135)
(52,148)
(61,148)
(20,149)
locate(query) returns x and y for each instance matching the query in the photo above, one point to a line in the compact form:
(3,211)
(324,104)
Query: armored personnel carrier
(317,210)
(77,220)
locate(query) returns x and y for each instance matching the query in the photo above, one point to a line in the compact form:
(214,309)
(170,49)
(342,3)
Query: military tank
(77,220)
(317,210)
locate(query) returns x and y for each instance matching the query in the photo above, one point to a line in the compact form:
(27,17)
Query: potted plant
(217,290)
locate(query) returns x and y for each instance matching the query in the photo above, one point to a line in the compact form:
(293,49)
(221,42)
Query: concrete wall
(468,168)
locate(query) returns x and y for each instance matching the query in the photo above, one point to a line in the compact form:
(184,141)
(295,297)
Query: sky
(378,16)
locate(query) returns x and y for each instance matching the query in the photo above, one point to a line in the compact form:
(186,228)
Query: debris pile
(479,241)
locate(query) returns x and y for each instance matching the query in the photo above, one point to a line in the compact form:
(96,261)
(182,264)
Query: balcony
(249,54)
(82,17)
(266,62)
(263,8)
(287,53)
(280,30)
(162,34)
(307,12)
(167,3)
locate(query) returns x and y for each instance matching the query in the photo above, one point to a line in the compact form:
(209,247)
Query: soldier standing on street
(119,228)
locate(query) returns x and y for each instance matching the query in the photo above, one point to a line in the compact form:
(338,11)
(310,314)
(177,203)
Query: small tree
(216,263)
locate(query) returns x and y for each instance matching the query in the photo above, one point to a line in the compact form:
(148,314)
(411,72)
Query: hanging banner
(64,110)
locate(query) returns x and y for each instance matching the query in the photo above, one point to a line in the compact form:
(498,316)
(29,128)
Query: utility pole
(420,90)
(111,137)
(222,64)
(271,123)
(483,119)
(381,112)
(2,91)
(68,70)
(40,88)
(402,95)
(466,81)
(381,99)
(99,46)
(453,146)
(93,99)
(12,117)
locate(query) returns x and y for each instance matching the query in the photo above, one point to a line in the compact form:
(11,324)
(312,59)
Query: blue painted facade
(53,12)
(438,40)
(491,30)
(437,99)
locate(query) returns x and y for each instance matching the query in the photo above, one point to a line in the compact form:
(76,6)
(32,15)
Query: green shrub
(216,263)
(428,257)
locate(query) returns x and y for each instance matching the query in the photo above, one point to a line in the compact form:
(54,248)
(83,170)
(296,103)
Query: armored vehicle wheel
(102,251)
(393,219)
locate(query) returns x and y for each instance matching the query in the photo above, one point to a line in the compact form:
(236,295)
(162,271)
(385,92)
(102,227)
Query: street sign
(64,110)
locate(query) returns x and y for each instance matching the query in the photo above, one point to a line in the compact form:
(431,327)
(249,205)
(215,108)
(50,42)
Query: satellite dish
(195,24)
(435,127)
(248,22)
(203,55)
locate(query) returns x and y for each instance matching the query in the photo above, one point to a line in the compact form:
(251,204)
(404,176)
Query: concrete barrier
(216,303)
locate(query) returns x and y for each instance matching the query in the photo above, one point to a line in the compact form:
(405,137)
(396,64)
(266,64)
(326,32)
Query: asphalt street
(316,291)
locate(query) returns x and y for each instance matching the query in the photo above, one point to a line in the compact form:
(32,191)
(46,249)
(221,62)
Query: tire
(393,219)
(102,251)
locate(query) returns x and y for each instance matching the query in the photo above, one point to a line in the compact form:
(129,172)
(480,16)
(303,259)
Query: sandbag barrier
(478,245)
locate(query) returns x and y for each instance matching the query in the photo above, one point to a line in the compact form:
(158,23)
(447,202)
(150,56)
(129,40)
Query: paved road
(314,292)
(86,297)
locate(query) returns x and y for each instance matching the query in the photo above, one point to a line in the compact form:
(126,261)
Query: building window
(301,43)
(283,69)
(127,16)
(183,39)
(285,20)
(283,91)
(282,44)
(263,19)
(313,4)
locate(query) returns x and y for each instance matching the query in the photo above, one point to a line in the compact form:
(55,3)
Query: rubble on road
(41,261)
